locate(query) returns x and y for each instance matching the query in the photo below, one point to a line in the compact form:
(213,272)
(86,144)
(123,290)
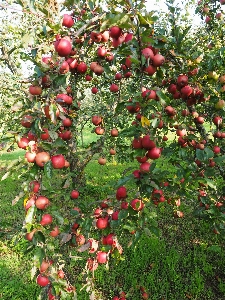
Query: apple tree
(150,94)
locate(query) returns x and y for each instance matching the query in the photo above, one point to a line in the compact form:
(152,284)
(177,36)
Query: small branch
(79,31)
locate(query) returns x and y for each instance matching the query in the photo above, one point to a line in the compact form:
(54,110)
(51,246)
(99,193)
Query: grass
(185,262)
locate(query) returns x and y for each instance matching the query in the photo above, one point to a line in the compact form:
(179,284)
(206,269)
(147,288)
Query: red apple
(74,194)
(55,232)
(114,88)
(42,202)
(67,21)
(137,204)
(58,161)
(63,47)
(102,257)
(42,158)
(35,90)
(102,223)
(121,193)
(115,32)
(102,160)
(46,220)
(42,280)
(114,132)
(96,120)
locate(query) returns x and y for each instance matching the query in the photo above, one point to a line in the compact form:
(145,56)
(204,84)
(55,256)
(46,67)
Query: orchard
(150,87)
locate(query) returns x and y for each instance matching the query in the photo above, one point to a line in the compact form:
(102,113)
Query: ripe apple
(42,202)
(34,186)
(42,280)
(35,90)
(145,167)
(147,53)
(55,232)
(29,235)
(58,161)
(220,104)
(46,220)
(121,193)
(42,158)
(98,70)
(137,143)
(115,215)
(182,80)
(45,135)
(158,60)
(137,204)
(101,257)
(147,143)
(82,68)
(44,266)
(23,143)
(67,21)
(67,122)
(63,47)
(27,121)
(150,70)
(102,223)
(115,32)
(216,149)
(118,76)
(74,194)
(102,160)
(99,130)
(64,98)
(61,274)
(64,67)
(101,52)
(112,151)
(114,88)
(96,120)
(114,132)
(154,153)
(94,90)
(80,239)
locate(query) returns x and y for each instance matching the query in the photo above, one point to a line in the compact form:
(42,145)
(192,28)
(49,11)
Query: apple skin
(74,194)
(102,160)
(42,202)
(58,161)
(115,32)
(27,121)
(114,88)
(137,204)
(34,186)
(63,47)
(101,257)
(82,68)
(67,21)
(42,280)
(46,220)
(44,266)
(23,143)
(96,120)
(35,90)
(114,132)
(55,232)
(121,193)
(147,53)
(102,223)
(42,158)
(158,60)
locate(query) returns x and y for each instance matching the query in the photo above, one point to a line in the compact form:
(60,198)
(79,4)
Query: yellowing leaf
(25,201)
(145,122)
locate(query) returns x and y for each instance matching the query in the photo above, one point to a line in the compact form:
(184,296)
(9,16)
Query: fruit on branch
(96,120)
(74,194)
(61,274)
(137,204)
(112,151)
(150,70)
(101,52)
(137,143)
(45,135)
(42,280)
(220,104)
(27,121)
(121,193)
(118,76)
(23,143)
(182,80)
(170,111)
(42,158)
(63,47)
(58,161)
(46,220)
(44,266)
(158,60)
(29,235)
(147,143)
(35,90)
(216,149)
(102,223)
(64,98)
(82,68)
(55,231)
(154,153)
(34,186)
(99,130)
(115,32)
(145,167)
(114,132)
(147,53)
(80,239)
(102,160)
(42,202)
(217,121)
(67,21)
(67,122)
(114,88)
(94,90)
(102,257)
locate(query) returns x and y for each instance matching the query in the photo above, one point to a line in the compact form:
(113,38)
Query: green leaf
(163,98)
(123,214)
(155,230)
(30,214)
(39,255)
(215,248)
(48,169)
(129,228)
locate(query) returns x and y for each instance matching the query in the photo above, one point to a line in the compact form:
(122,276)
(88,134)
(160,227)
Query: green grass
(185,262)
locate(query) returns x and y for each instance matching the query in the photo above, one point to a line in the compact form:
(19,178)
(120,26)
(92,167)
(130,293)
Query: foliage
(136,83)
